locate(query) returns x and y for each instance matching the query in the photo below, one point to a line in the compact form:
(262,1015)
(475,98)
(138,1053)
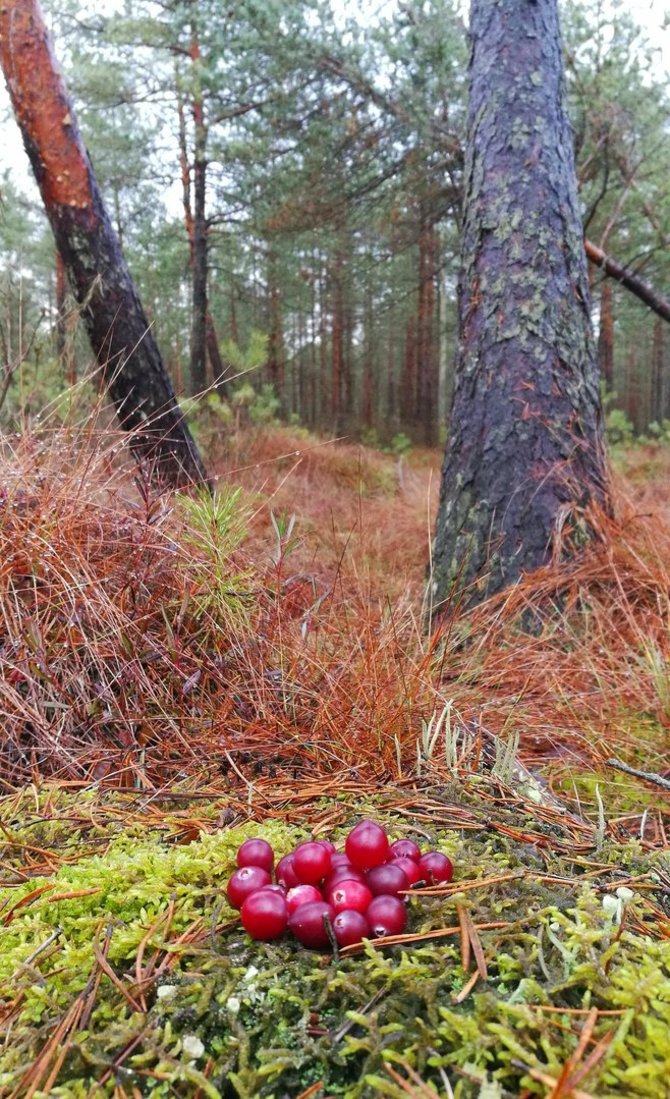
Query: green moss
(236,1018)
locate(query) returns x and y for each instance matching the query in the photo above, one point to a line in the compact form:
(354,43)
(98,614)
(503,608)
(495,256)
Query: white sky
(652,15)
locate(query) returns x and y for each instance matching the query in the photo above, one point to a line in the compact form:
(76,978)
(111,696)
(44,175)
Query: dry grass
(135,653)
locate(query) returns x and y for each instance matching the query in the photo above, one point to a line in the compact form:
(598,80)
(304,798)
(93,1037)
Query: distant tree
(524,456)
(120,336)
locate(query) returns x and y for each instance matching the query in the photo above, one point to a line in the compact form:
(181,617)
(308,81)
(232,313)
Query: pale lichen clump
(135,954)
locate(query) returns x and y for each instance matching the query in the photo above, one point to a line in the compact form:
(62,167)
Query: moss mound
(123,971)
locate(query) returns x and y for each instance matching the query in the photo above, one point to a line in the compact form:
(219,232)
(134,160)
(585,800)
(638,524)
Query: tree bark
(524,456)
(117,327)
(634,283)
(199,250)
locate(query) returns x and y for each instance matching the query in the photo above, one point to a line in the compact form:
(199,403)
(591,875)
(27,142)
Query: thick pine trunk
(117,327)
(524,455)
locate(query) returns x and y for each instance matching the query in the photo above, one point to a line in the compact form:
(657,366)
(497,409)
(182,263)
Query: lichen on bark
(524,444)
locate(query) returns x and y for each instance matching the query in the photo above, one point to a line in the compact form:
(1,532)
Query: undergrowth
(260,655)
(125,972)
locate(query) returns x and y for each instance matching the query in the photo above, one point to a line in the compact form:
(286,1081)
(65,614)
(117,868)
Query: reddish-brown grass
(125,659)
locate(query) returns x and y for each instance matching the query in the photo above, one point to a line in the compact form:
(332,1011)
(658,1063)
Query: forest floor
(180,674)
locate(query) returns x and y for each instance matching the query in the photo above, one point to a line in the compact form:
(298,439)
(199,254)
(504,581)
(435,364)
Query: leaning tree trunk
(524,456)
(120,335)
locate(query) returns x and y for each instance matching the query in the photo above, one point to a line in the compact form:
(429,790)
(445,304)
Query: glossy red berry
(349,894)
(386,915)
(328,845)
(285,872)
(405,849)
(256,852)
(436,867)
(388,879)
(264,915)
(308,923)
(343,873)
(409,867)
(302,894)
(339,859)
(244,882)
(311,862)
(367,845)
(350,927)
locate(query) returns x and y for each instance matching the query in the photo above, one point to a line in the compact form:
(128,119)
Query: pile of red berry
(320,893)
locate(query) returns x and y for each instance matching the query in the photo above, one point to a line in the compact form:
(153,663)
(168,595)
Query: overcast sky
(652,15)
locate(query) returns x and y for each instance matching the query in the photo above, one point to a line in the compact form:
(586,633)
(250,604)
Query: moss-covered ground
(544,969)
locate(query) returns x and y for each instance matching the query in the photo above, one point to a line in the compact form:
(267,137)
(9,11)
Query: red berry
(244,882)
(308,923)
(328,845)
(264,915)
(350,927)
(343,873)
(405,849)
(388,879)
(436,867)
(302,894)
(285,872)
(256,852)
(367,845)
(386,915)
(409,868)
(311,862)
(339,859)
(349,894)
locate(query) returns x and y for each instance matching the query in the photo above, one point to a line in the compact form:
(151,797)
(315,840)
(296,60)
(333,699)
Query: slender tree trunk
(426,369)
(337,342)
(606,334)
(524,452)
(657,372)
(120,336)
(408,385)
(275,366)
(199,252)
(632,282)
(391,387)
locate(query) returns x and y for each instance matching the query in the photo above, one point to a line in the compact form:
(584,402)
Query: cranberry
(409,868)
(256,852)
(311,862)
(436,867)
(405,849)
(388,879)
(302,894)
(244,882)
(343,873)
(349,894)
(339,859)
(308,923)
(386,915)
(328,845)
(264,915)
(350,927)
(367,845)
(279,889)
(285,872)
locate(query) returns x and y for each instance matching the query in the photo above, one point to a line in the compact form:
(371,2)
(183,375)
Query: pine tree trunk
(112,313)
(524,452)
(275,361)
(657,372)
(408,386)
(426,366)
(606,335)
(199,257)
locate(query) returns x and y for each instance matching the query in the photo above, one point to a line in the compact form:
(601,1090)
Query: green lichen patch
(125,972)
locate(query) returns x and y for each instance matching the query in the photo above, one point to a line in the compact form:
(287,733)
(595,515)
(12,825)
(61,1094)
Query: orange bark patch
(41,104)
